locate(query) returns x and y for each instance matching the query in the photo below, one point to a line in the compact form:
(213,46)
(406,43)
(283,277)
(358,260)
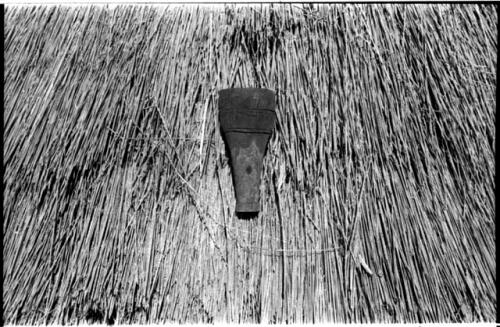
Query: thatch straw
(378,185)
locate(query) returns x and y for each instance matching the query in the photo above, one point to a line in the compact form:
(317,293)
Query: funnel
(247,119)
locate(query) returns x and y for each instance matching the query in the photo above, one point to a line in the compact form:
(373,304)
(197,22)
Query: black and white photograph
(249,163)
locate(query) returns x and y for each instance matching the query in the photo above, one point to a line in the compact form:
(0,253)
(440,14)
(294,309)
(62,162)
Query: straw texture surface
(377,194)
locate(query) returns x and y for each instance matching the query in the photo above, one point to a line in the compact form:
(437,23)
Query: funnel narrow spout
(247,118)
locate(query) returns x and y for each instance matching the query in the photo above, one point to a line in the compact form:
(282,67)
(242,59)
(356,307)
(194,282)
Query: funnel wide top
(249,110)
(246,98)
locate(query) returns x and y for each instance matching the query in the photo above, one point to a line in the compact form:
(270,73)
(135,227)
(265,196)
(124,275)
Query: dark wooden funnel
(247,119)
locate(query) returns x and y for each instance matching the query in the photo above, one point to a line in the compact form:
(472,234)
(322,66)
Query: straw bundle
(378,183)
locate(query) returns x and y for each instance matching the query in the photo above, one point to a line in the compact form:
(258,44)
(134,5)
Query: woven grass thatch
(378,184)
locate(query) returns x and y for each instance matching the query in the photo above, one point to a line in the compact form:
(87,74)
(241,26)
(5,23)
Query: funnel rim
(226,93)
(248,130)
(270,109)
(246,88)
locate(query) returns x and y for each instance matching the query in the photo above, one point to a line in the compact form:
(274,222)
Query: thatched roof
(378,184)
